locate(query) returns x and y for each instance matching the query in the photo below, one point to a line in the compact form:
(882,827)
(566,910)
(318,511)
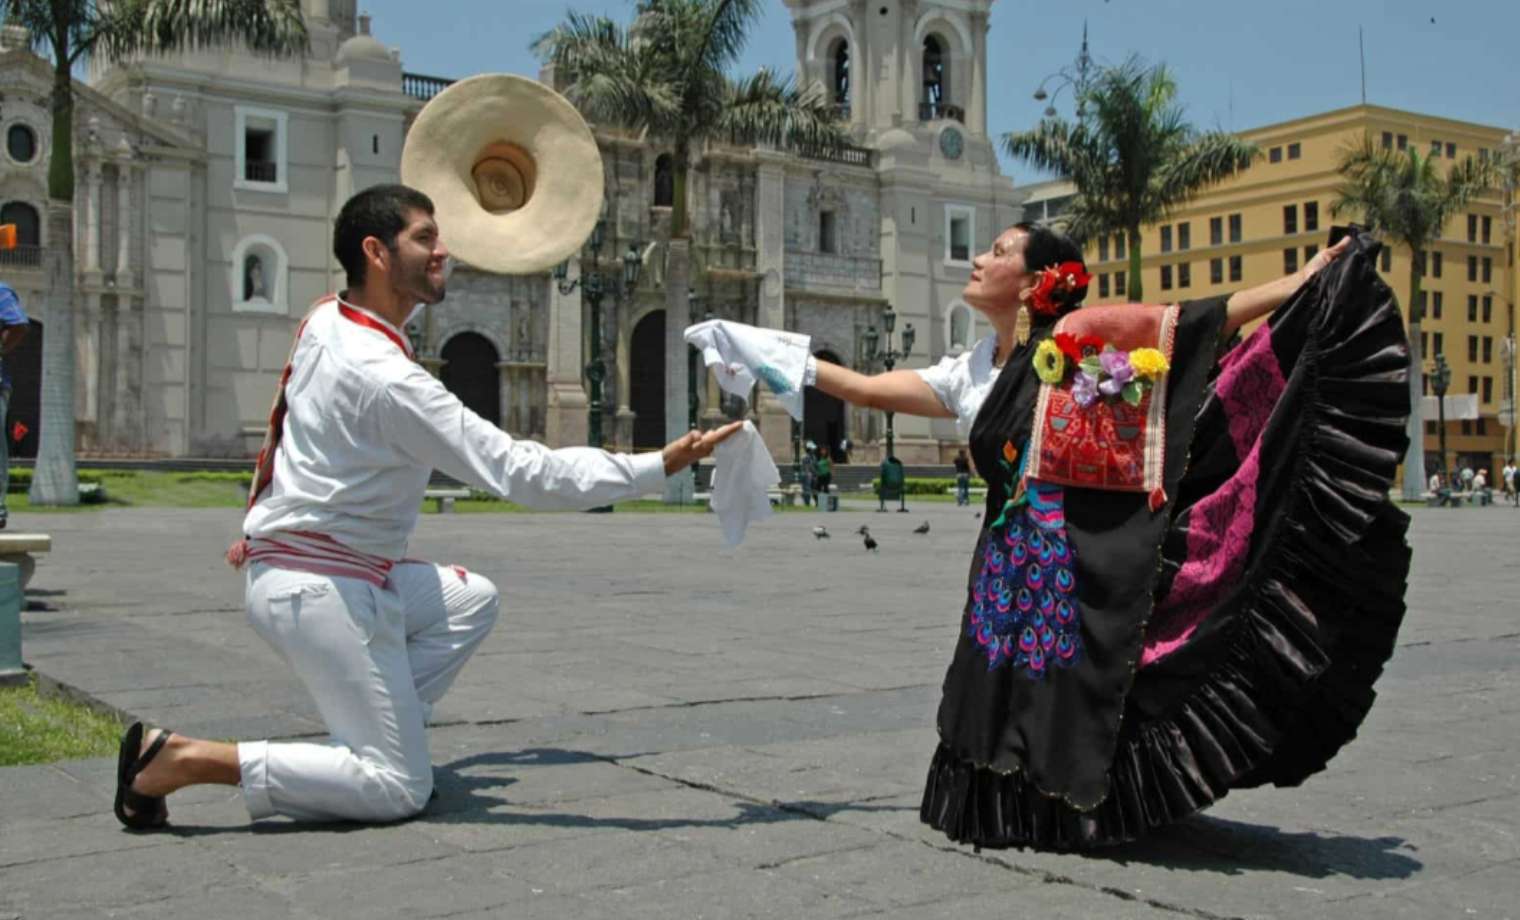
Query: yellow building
(1267,220)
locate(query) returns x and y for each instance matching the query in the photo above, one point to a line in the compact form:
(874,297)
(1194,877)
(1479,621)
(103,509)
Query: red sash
(1110,444)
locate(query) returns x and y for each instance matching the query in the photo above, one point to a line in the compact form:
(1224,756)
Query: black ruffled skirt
(1268,630)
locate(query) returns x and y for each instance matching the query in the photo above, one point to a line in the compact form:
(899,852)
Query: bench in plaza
(443,498)
(21,548)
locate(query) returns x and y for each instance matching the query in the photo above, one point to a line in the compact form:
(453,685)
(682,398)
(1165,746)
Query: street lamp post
(1439,381)
(1075,77)
(889,357)
(596,285)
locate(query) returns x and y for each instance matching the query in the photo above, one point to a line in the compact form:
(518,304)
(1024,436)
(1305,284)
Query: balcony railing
(847,154)
(933,111)
(261,171)
(21,257)
(422,86)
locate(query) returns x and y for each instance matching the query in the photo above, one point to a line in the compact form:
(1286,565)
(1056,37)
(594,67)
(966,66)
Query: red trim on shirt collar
(365,318)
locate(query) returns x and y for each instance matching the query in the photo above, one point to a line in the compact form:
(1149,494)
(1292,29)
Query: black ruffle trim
(1295,677)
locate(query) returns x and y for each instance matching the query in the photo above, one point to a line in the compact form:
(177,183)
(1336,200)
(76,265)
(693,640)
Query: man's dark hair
(1046,247)
(379,211)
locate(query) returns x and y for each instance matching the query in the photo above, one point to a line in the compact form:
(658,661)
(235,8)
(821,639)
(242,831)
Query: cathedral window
(959,224)
(828,236)
(936,79)
(260,140)
(664,181)
(840,62)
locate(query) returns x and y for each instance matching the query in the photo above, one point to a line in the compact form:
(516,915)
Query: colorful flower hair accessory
(1055,281)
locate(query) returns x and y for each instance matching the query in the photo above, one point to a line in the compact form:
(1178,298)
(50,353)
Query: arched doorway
(664,181)
(469,372)
(646,380)
(24,366)
(823,416)
(28,234)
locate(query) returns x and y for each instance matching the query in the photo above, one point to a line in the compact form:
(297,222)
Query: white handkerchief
(743,474)
(741,353)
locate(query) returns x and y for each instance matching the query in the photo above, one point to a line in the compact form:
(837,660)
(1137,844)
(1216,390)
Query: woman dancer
(1189,573)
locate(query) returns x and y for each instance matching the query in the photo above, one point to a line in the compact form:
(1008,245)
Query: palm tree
(1403,196)
(668,74)
(73,32)
(1131,155)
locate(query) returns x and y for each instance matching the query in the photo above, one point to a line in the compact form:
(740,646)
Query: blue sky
(1238,64)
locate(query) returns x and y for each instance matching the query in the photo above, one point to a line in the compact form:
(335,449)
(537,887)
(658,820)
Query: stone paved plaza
(663,728)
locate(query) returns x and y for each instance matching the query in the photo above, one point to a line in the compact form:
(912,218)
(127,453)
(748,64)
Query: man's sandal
(148,812)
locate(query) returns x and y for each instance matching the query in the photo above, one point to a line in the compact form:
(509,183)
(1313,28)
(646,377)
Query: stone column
(565,415)
(124,234)
(770,263)
(976,103)
(678,489)
(92,218)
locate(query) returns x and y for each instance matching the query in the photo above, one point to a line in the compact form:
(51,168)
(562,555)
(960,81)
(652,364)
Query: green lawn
(38,729)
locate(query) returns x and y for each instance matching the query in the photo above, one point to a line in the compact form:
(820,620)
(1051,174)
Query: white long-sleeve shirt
(366,426)
(962,382)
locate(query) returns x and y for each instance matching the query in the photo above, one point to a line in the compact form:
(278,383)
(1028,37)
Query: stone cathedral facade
(208,183)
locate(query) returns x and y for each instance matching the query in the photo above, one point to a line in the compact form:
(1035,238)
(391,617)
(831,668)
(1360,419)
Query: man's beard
(416,286)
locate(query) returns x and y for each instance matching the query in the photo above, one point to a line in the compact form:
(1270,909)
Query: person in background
(962,478)
(14,325)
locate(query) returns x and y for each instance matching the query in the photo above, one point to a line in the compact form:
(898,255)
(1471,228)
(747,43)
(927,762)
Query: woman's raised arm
(894,391)
(1256,302)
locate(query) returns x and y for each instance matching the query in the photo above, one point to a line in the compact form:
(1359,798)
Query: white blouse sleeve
(949,379)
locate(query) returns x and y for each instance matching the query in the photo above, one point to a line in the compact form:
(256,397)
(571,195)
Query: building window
(1119,285)
(1274,155)
(1488,349)
(1118,245)
(1166,237)
(1386,258)
(1387,140)
(1472,308)
(1294,151)
(1440,342)
(959,244)
(1472,385)
(1103,248)
(826,237)
(21,143)
(1235,269)
(1216,271)
(841,61)
(1234,228)
(28,234)
(261,146)
(1451,150)
(1472,351)
(1488,390)
(936,84)
(1185,274)
(1435,148)
(1472,268)
(1488,308)
(1310,251)
(1488,269)
(1466,427)
(1103,285)
(1425,346)
(1488,227)
(664,181)
(1311,216)
(1435,264)
(1430,427)
(1166,277)
(1435,304)
(1216,231)
(1290,260)
(1403,143)
(1472,228)
(1185,235)
(1482,425)
(1290,219)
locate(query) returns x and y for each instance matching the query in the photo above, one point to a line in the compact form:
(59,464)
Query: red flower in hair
(1069,346)
(1058,279)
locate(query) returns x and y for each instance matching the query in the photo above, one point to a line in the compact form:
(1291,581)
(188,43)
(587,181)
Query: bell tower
(897,63)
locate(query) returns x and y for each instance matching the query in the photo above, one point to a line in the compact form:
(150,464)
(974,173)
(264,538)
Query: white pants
(374,660)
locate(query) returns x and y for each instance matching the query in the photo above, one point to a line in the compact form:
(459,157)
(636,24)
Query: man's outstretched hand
(694,445)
